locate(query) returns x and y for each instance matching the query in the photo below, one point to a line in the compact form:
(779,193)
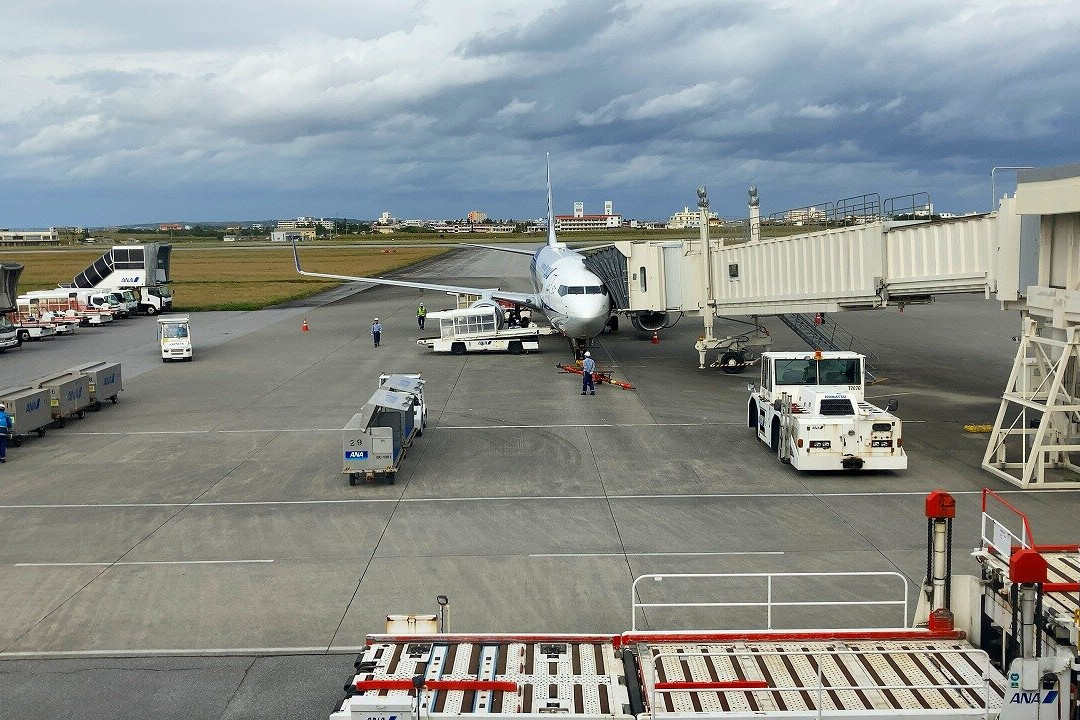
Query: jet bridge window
(733,271)
(642,284)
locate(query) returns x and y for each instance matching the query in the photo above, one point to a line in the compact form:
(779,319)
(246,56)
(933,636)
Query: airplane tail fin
(551,207)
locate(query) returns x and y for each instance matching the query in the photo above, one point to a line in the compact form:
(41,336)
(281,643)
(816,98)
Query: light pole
(993,188)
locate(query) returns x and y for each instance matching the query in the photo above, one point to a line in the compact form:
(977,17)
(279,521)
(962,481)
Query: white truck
(810,409)
(65,303)
(174,337)
(481,328)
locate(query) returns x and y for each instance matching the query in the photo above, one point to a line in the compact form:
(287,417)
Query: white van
(174,337)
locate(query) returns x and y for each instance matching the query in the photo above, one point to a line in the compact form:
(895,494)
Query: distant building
(607,207)
(29,237)
(387,219)
(577,223)
(579,209)
(288,234)
(804,215)
(167,227)
(477,216)
(688,219)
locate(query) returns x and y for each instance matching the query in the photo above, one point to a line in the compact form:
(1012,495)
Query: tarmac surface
(195,552)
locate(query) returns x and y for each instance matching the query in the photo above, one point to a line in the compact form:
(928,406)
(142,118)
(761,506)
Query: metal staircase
(829,335)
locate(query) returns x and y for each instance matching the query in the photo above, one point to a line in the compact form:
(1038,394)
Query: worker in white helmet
(587,370)
(376,332)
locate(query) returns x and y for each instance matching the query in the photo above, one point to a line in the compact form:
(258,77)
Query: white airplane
(572,297)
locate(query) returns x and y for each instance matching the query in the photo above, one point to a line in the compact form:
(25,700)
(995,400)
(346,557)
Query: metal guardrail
(829,335)
(1001,534)
(820,689)
(768,603)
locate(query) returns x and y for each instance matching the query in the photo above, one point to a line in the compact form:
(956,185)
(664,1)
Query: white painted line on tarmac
(873,397)
(166,652)
(573,425)
(655,554)
(255,431)
(523,498)
(143,562)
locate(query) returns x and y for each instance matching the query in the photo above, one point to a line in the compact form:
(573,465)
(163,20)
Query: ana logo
(1027,698)
(108,379)
(32,406)
(356,454)
(126,280)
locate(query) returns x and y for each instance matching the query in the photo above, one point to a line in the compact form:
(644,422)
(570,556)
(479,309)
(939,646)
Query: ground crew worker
(5,432)
(376,331)
(587,369)
(421,315)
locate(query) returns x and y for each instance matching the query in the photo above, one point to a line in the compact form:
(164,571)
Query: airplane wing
(527,299)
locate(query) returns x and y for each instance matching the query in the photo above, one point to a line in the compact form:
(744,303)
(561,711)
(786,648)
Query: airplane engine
(649,321)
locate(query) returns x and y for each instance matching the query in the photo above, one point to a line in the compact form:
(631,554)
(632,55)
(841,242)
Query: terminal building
(30,237)
(580,221)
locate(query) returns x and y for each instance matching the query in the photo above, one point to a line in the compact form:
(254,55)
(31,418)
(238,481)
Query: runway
(194,550)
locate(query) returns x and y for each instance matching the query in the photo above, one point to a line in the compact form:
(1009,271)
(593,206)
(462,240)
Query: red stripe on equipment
(1056,548)
(475,685)
(1061,587)
(723,685)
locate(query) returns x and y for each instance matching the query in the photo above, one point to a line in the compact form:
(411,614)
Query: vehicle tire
(352,479)
(774,438)
(751,415)
(189,358)
(61,422)
(16,441)
(391,478)
(24,335)
(115,399)
(41,432)
(419,431)
(96,407)
(732,362)
(457,348)
(514,348)
(151,310)
(80,413)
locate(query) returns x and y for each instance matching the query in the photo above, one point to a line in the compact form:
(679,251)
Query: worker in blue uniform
(376,332)
(587,370)
(5,432)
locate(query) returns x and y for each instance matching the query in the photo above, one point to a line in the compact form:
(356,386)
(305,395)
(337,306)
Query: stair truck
(998,647)
(810,409)
(29,409)
(141,269)
(9,282)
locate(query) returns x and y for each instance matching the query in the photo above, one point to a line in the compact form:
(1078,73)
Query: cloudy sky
(133,111)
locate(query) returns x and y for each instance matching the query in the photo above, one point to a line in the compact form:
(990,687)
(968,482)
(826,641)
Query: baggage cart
(106,382)
(69,395)
(412,383)
(373,442)
(29,410)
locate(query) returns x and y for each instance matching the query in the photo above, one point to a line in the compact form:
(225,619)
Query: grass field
(229,278)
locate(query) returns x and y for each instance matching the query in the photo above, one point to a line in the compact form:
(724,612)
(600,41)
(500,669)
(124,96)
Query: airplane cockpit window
(594,289)
(577,290)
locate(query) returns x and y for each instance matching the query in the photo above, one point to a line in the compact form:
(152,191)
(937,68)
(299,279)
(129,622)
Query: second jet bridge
(863,266)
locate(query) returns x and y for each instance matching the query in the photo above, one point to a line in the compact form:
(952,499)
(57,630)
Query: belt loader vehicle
(810,409)
(998,647)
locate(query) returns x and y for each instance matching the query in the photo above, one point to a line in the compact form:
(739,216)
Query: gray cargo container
(69,394)
(373,441)
(412,383)
(106,381)
(29,410)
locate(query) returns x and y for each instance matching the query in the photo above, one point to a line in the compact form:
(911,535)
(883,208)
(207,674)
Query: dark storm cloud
(415,106)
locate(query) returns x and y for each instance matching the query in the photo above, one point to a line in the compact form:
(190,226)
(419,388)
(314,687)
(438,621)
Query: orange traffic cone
(655,338)
(304,327)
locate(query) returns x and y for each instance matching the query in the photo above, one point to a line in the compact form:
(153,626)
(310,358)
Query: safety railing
(916,206)
(768,603)
(1002,539)
(820,688)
